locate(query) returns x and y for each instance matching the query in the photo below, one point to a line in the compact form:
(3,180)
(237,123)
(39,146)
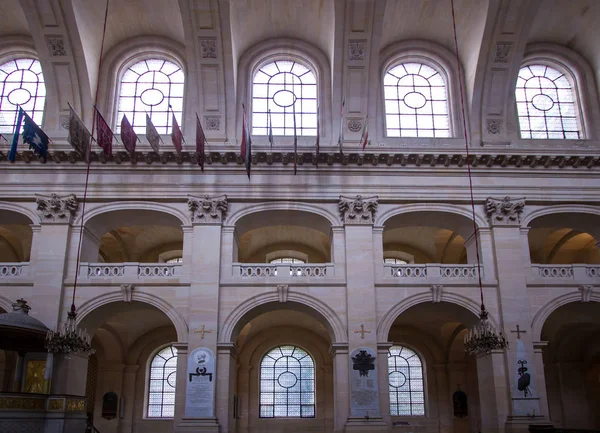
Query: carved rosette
(208,210)
(57,209)
(358,210)
(505,211)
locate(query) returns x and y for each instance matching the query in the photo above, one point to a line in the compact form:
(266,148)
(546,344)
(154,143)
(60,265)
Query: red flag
(365,134)
(200,143)
(176,135)
(246,146)
(128,135)
(104,135)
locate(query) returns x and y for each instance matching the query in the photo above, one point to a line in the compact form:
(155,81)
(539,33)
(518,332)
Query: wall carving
(127,291)
(207,209)
(358,210)
(505,211)
(57,209)
(282,292)
(494,126)
(212,123)
(356,50)
(586,292)
(56,46)
(208,48)
(502,52)
(355,125)
(436,292)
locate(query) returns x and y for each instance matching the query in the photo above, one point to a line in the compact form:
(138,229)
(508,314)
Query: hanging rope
(464,121)
(89,162)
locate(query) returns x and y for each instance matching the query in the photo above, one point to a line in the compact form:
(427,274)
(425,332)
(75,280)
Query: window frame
(147,379)
(424,381)
(314,389)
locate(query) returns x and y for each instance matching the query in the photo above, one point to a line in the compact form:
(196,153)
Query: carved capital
(505,211)
(586,292)
(57,209)
(436,292)
(208,210)
(127,291)
(358,210)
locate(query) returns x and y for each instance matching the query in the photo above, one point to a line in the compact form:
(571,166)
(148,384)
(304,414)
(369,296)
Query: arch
(279,49)
(562,208)
(22,211)
(430,54)
(236,319)
(14,46)
(176,318)
(540,317)
(395,381)
(168,354)
(133,205)
(388,319)
(382,218)
(236,216)
(6,304)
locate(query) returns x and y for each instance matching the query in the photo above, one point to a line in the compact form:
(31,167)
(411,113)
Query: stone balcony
(17,273)
(265,273)
(430,273)
(574,274)
(130,272)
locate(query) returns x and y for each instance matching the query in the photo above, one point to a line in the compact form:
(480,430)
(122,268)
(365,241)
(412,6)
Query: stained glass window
(287,384)
(150,86)
(405,370)
(284,87)
(546,104)
(21,84)
(416,102)
(161,387)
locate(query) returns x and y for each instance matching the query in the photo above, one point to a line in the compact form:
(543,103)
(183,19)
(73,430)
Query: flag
(341,139)
(318,135)
(79,136)
(104,135)
(365,134)
(271,139)
(246,146)
(295,143)
(200,143)
(152,134)
(128,135)
(32,135)
(176,134)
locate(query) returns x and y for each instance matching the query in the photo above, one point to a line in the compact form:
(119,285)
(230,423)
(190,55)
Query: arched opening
(145,236)
(428,364)
(15,237)
(572,365)
(127,337)
(284,376)
(265,236)
(565,238)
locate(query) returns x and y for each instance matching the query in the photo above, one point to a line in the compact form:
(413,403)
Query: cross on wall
(202,331)
(362,331)
(519,331)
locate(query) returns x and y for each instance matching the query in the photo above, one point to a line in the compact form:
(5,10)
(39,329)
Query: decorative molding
(436,292)
(494,126)
(282,292)
(208,48)
(57,209)
(586,292)
(355,125)
(64,121)
(356,50)
(358,210)
(56,46)
(207,210)
(127,290)
(503,50)
(505,211)
(212,123)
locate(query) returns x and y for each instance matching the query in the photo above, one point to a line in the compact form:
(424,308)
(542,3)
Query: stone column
(510,259)
(228,249)
(338,254)
(339,354)
(200,383)
(365,413)
(493,393)
(181,381)
(443,398)
(127,398)
(486,252)
(378,252)
(226,371)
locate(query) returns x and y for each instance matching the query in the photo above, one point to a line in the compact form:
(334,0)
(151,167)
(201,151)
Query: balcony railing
(14,270)
(431,271)
(282,271)
(575,272)
(130,270)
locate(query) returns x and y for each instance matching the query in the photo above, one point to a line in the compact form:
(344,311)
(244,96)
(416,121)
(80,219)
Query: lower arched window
(161,386)
(287,384)
(407,393)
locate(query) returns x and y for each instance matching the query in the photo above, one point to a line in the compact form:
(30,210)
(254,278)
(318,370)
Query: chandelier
(68,338)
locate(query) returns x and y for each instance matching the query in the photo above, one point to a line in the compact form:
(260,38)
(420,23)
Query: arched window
(21,84)
(287,383)
(407,394)
(161,386)
(394,261)
(175,260)
(416,101)
(546,104)
(284,87)
(288,260)
(151,86)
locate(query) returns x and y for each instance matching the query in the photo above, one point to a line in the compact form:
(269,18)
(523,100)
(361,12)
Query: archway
(430,336)
(572,365)
(127,337)
(15,236)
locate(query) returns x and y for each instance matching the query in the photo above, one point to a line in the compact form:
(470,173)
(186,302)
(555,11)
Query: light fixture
(483,337)
(68,338)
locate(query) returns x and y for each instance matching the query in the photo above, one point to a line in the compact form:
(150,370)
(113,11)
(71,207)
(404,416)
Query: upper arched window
(21,85)
(288,261)
(151,86)
(284,88)
(161,385)
(416,101)
(406,385)
(287,383)
(546,104)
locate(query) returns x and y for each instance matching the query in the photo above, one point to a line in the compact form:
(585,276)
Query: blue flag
(32,135)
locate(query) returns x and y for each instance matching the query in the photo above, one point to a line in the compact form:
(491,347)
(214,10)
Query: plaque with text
(200,384)
(364,390)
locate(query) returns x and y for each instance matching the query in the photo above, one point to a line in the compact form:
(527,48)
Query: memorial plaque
(364,390)
(525,398)
(200,384)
